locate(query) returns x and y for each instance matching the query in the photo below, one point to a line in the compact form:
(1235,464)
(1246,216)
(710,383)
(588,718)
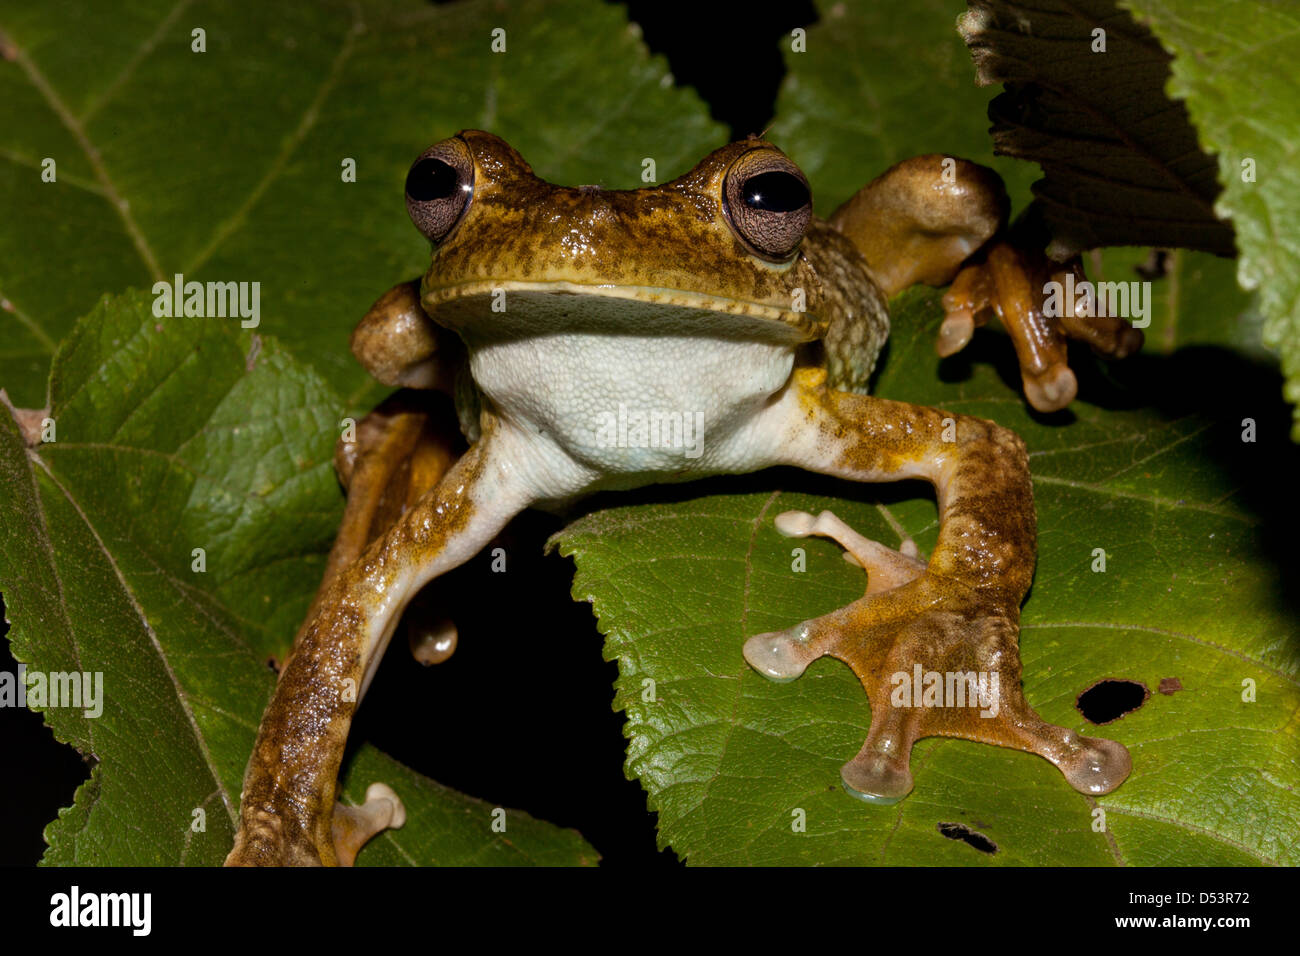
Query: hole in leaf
(1111,699)
(959,831)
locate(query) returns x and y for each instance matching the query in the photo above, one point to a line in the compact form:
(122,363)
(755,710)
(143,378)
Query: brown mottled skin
(549,233)
(672,295)
(287,805)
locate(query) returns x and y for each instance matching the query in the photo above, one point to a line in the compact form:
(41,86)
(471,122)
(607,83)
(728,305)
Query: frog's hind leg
(396,458)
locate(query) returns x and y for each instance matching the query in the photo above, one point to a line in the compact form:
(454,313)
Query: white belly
(647,407)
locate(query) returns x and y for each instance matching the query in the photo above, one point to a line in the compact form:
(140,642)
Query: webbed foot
(936,658)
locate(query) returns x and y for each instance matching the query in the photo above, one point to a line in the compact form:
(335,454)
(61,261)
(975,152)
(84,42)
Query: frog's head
(731,248)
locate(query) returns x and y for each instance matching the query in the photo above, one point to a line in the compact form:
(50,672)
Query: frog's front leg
(935,648)
(400,451)
(287,803)
(939,219)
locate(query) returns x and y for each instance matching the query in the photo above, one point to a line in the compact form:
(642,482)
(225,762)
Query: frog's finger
(999,282)
(1108,335)
(400,345)
(1044,363)
(1035,300)
(885,567)
(966,306)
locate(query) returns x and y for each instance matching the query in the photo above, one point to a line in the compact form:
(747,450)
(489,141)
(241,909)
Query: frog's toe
(1090,765)
(877,778)
(780,655)
(354,826)
(956,331)
(936,658)
(1095,766)
(432,642)
(880,773)
(885,567)
(1049,390)
(1011,279)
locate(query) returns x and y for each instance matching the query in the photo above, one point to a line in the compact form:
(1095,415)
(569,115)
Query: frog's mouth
(511,309)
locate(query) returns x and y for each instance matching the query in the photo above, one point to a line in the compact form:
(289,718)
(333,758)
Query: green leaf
(1234,65)
(226,165)
(880,83)
(1198,304)
(1123,165)
(1190,591)
(1085,99)
(173,435)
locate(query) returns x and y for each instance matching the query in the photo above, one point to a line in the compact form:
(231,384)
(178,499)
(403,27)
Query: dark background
(475,723)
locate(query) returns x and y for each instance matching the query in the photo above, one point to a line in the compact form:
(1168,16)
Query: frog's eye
(438,188)
(767,202)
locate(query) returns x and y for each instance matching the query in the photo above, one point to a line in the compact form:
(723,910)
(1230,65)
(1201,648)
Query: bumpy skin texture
(654,298)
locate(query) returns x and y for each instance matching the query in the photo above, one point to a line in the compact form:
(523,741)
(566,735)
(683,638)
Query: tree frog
(719,304)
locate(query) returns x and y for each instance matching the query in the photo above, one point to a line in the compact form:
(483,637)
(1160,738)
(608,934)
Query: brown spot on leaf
(253,351)
(959,831)
(1170,685)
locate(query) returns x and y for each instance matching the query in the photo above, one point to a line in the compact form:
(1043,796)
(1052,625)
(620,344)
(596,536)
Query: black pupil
(431,179)
(776,192)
